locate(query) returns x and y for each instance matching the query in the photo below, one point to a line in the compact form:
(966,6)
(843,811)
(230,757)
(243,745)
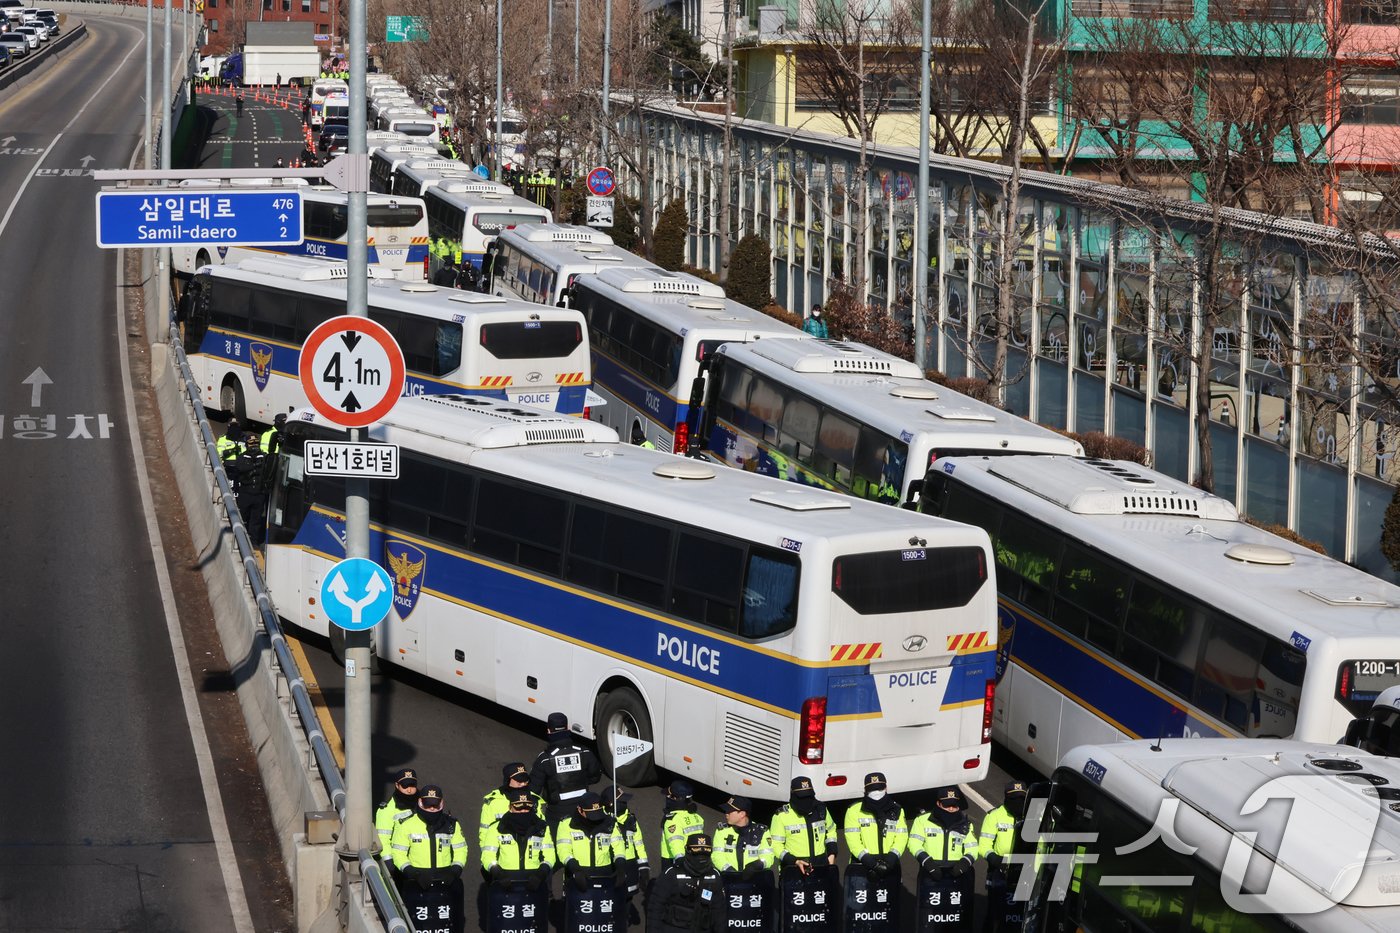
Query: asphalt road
(109,784)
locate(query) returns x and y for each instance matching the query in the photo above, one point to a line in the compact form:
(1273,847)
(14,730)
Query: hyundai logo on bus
(700,657)
(915,643)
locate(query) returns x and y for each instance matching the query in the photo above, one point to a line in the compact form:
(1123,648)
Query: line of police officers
(545,819)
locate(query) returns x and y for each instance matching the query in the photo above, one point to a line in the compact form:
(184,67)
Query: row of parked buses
(791,622)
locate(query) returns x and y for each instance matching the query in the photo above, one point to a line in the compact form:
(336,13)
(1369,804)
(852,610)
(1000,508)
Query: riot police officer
(517,857)
(1000,828)
(688,897)
(945,843)
(678,819)
(804,840)
(590,849)
(400,805)
(514,778)
(876,835)
(743,855)
(430,851)
(564,771)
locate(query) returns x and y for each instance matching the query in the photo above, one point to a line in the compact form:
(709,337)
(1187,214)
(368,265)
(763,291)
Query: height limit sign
(352,371)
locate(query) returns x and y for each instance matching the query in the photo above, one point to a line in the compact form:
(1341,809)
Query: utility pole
(500,87)
(726,163)
(922,226)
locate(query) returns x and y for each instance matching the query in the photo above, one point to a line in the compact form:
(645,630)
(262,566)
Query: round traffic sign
(356,594)
(352,370)
(602,182)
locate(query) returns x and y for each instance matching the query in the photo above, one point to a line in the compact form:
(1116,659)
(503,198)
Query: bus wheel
(231,400)
(623,711)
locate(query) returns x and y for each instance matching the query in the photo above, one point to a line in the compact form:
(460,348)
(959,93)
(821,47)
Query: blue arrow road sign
(357,594)
(171,217)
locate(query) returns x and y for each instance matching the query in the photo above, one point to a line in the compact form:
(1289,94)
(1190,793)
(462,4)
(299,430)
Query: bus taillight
(811,744)
(988,700)
(682,444)
(426,277)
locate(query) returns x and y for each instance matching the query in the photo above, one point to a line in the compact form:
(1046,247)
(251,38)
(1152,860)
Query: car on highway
(15,43)
(335,137)
(50,19)
(29,34)
(13,9)
(4,57)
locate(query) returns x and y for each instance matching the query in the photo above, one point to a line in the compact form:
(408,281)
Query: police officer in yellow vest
(399,807)
(945,844)
(590,849)
(804,841)
(517,856)
(876,835)
(230,445)
(272,437)
(997,842)
(497,802)
(743,855)
(430,851)
(678,820)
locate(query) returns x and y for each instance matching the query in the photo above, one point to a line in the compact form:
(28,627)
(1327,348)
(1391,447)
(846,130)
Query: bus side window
(770,594)
(766,407)
(1029,553)
(835,455)
(799,431)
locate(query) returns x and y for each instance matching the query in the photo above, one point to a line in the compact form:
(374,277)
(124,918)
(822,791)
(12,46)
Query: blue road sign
(171,217)
(356,594)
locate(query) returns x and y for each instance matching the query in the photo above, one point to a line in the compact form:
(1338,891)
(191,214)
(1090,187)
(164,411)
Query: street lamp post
(921,230)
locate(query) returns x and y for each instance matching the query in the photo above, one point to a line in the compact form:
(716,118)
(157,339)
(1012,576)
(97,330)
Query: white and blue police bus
(244,327)
(845,416)
(396,230)
(418,175)
(460,212)
(385,162)
(753,631)
(1136,606)
(651,332)
(1217,836)
(539,262)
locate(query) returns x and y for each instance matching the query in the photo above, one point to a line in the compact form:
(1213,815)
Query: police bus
(751,630)
(460,212)
(1218,836)
(651,330)
(397,231)
(845,416)
(1137,606)
(418,175)
(539,262)
(244,327)
(385,162)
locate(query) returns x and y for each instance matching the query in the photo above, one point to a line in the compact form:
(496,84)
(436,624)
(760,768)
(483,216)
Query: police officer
(804,841)
(430,851)
(517,856)
(688,897)
(230,445)
(496,803)
(564,771)
(678,820)
(945,843)
(272,437)
(876,835)
(997,841)
(398,807)
(634,848)
(639,438)
(743,855)
(446,275)
(590,850)
(239,103)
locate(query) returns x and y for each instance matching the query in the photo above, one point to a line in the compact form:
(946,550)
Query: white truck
(275,53)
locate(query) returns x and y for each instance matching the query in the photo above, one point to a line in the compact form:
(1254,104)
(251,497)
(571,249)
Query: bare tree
(857,57)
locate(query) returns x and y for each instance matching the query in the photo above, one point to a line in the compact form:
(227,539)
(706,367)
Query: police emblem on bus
(261,355)
(406,563)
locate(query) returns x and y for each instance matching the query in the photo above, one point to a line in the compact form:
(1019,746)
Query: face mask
(876,795)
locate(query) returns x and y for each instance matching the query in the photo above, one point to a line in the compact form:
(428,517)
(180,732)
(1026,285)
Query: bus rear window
(523,340)
(394,215)
(492,224)
(911,580)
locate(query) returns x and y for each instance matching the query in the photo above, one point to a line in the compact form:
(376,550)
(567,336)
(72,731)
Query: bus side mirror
(1356,732)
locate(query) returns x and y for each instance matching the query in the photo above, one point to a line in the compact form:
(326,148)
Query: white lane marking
(213,802)
(14,202)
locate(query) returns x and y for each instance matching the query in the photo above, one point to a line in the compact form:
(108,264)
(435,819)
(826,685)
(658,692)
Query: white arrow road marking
(36,382)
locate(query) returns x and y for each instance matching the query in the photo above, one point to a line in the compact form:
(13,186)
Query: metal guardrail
(382,890)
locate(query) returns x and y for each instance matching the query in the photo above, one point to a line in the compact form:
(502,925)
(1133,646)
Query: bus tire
(231,400)
(623,710)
